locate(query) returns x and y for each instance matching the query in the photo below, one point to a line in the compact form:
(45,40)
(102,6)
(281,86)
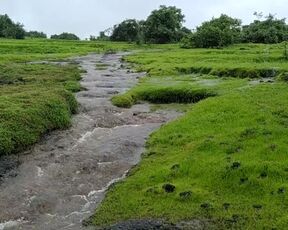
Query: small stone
(185,195)
(169,188)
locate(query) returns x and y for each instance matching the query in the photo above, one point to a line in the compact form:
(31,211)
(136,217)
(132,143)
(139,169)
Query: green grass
(227,156)
(247,60)
(177,89)
(34,99)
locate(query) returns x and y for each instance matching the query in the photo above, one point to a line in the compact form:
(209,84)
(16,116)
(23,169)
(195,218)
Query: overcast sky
(89,17)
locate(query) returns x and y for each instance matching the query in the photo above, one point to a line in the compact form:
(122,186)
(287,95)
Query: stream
(61,180)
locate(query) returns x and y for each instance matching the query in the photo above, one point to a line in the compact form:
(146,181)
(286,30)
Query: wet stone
(42,204)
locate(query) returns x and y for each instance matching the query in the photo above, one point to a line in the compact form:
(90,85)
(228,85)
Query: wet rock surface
(62,179)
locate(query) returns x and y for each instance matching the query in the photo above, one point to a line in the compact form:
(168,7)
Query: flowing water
(62,179)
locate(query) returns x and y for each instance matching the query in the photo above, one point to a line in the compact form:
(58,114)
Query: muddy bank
(62,179)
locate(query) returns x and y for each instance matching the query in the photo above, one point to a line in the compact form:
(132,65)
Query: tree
(35,34)
(270,30)
(163,25)
(127,30)
(65,36)
(218,32)
(10,29)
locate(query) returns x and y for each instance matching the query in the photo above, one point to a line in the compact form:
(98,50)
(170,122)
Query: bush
(269,31)
(65,36)
(219,32)
(127,30)
(35,34)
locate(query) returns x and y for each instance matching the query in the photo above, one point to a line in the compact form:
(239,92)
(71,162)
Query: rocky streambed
(61,180)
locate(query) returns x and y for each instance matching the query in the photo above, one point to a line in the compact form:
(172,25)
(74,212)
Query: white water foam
(11,224)
(40,172)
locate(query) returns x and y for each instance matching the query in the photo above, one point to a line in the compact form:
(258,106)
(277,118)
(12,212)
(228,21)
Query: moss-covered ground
(226,158)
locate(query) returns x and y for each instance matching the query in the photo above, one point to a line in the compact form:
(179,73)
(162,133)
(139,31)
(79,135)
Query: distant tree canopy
(10,29)
(65,36)
(127,30)
(271,30)
(218,32)
(164,25)
(35,34)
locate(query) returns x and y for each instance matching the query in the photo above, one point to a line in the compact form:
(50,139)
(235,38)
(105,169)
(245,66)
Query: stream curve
(62,179)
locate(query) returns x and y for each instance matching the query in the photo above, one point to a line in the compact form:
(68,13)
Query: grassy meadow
(225,160)
(38,97)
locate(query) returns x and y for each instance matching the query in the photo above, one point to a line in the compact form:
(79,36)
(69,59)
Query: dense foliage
(10,29)
(35,34)
(65,36)
(127,30)
(164,25)
(218,32)
(271,30)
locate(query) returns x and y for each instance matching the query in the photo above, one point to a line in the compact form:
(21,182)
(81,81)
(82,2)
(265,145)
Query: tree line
(10,29)
(165,25)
